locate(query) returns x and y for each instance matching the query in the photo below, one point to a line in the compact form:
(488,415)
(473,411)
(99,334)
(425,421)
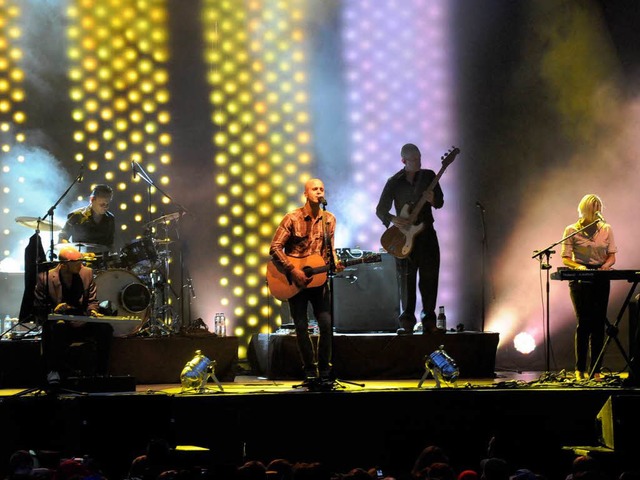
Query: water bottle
(6,324)
(441,321)
(313,327)
(223,325)
(217,324)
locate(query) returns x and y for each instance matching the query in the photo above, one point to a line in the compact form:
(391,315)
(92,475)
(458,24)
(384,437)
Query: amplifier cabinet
(366,297)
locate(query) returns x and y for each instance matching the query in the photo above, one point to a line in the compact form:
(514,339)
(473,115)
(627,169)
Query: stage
(537,420)
(378,356)
(383,408)
(145,359)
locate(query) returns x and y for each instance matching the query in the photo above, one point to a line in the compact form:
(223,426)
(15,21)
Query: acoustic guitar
(282,286)
(399,241)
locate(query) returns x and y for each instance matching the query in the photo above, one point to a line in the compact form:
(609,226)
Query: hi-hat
(84,247)
(164,219)
(37,223)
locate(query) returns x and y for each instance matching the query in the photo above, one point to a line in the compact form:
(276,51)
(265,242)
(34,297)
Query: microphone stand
(337,383)
(545,265)
(52,255)
(50,390)
(49,213)
(482,264)
(137,168)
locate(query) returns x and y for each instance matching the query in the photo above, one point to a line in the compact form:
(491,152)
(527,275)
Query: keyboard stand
(53,390)
(612,332)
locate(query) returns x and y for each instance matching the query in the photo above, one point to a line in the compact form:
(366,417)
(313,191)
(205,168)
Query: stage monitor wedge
(618,423)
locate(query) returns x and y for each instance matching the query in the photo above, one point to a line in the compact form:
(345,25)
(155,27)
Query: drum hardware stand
(138,169)
(192,295)
(162,319)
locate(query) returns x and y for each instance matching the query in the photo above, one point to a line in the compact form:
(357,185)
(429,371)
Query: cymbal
(163,241)
(84,247)
(165,219)
(36,223)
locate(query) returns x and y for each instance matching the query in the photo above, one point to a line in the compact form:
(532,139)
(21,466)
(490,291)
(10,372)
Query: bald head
(314,190)
(69,253)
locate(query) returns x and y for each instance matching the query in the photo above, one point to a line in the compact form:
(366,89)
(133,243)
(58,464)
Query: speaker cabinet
(619,423)
(11,291)
(366,297)
(634,335)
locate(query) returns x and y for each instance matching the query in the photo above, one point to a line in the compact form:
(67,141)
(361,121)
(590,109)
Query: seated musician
(69,289)
(94,223)
(94,226)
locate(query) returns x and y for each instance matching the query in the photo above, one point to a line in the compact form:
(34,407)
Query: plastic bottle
(217,324)
(441,321)
(223,325)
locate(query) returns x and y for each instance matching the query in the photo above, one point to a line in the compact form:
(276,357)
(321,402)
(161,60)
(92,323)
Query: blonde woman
(590,246)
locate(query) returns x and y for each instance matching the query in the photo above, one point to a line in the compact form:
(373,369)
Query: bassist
(401,191)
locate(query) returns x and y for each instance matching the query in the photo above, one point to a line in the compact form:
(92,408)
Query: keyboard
(571,274)
(122,326)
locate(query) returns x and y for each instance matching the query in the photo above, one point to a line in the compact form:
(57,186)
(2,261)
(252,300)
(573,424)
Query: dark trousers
(590,301)
(424,261)
(320,299)
(58,337)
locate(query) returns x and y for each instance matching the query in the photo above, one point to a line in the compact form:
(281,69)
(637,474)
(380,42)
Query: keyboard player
(589,244)
(69,289)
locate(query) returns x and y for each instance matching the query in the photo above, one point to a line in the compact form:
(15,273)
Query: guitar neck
(423,198)
(346,263)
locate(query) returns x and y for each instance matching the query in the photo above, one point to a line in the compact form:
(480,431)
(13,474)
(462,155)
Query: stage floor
(366,423)
(251,384)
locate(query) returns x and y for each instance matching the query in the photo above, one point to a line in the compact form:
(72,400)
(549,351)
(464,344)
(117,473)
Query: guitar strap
(418,178)
(328,248)
(416,184)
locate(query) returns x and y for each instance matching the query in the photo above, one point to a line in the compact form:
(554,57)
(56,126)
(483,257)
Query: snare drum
(102,261)
(126,293)
(140,256)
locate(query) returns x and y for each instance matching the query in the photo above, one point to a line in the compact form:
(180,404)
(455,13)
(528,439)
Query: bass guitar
(282,286)
(399,241)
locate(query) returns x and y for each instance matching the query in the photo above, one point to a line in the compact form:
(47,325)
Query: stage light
(196,373)
(441,366)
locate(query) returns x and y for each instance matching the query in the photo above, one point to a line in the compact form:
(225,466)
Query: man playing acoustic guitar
(304,232)
(403,190)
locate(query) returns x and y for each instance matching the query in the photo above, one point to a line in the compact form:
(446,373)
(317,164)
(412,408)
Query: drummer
(92,224)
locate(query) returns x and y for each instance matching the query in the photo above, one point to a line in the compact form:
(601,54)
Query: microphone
(133,169)
(479,205)
(81,174)
(322,201)
(600,217)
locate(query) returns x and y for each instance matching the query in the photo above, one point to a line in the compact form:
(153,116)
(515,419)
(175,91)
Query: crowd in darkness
(161,462)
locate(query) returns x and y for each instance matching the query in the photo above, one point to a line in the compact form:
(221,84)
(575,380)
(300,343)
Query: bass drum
(122,294)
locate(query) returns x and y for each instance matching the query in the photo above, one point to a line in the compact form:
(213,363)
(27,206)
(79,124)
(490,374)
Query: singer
(306,231)
(92,224)
(592,247)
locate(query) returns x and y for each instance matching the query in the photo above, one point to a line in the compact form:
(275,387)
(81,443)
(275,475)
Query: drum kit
(135,282)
